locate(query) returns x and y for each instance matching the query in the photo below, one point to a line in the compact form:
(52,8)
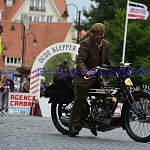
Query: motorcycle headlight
(128,82)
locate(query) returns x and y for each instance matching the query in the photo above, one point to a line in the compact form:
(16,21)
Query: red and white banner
(137,11)
(20,103)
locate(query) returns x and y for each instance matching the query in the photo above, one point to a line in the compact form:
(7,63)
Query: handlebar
(95,71)
(115,70)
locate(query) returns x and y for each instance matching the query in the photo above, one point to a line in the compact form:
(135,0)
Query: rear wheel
(138,128)
(60,116)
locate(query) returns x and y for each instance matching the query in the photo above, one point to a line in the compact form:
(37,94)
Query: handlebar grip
(85,77)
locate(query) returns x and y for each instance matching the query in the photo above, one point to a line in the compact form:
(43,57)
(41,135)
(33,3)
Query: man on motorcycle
(93,52)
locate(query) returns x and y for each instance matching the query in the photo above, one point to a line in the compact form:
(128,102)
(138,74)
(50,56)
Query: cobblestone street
(39,133)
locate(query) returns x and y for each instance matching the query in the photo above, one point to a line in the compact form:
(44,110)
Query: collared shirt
(99,46)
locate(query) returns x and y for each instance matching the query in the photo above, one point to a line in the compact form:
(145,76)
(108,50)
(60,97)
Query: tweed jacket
(90,56)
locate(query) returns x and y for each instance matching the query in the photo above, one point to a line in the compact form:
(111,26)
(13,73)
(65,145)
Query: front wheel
(138,128)
(60,114)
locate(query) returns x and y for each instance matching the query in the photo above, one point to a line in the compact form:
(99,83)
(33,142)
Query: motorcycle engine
(104,106)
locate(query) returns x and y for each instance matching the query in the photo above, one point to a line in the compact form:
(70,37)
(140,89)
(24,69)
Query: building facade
(40,19)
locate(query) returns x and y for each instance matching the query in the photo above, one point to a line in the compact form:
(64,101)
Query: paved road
(38,133)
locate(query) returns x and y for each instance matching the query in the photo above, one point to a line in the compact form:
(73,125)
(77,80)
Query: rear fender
(51,93)
(51,100)
(61,95)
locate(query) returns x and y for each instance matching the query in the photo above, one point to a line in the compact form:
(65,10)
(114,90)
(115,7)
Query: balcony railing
(37,8)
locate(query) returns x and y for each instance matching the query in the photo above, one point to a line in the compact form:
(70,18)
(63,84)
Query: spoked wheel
(60,116)
(138,128)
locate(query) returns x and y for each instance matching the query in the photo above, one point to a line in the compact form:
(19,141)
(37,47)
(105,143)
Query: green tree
(115,34)
(112,13)
(137,44)
(102,10)
(143,64)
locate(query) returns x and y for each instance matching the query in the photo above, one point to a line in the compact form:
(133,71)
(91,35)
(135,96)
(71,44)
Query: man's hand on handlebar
(89,73)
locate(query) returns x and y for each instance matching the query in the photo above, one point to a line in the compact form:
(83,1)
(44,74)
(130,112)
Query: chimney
(9,3)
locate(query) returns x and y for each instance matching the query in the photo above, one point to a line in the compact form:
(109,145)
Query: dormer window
(37,5)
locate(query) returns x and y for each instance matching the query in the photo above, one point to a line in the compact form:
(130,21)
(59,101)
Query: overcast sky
(80,4)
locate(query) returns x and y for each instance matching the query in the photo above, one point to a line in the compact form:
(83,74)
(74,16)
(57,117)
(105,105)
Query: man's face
(98,37)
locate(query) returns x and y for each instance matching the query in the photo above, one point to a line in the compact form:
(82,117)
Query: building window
(49,18)
(7,59)
(13,61)
(36,18)
(43,5)
(37,5)
(42,18)
(19,61)
(24,15)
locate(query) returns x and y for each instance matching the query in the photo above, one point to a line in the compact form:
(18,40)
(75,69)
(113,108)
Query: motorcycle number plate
(128,82)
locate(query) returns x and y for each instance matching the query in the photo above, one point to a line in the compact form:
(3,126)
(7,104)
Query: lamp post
(78,19)
(24,43)
(23,38)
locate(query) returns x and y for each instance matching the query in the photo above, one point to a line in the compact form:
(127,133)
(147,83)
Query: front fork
(133,105)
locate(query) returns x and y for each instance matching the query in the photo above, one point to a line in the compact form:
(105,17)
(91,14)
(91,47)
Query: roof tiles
(9,12)
(46,34)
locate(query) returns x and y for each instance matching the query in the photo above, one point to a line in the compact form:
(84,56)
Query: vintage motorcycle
(135,112)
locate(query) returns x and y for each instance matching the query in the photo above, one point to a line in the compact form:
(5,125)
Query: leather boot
(73,132)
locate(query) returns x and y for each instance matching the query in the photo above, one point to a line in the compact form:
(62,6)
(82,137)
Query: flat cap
(97,27)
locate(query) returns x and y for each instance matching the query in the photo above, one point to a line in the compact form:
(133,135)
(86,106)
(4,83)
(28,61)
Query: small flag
(1,45)
(137,11)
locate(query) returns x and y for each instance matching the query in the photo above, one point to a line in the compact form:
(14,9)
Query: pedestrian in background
(63,67)
(1,94)
(4,93)
(42,86)
(10,83)
(26,86)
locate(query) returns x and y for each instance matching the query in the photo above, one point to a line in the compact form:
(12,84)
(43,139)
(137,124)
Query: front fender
(125,104)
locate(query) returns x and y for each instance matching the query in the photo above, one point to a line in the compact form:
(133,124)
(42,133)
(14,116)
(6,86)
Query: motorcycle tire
(56,114)
(136,127)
